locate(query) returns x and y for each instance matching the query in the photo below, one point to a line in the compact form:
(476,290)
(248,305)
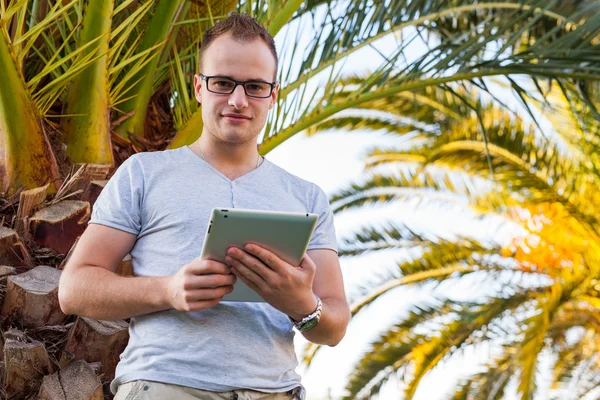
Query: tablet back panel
(285,234)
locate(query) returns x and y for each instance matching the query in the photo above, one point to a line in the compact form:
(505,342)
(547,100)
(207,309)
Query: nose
(238,98)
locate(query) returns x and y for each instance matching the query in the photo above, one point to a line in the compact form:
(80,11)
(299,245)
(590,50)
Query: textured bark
(32,298)
(96,341)
(77,381)
(59,225)
(12,250)
(61,266)
(5,272)
(29,200)
(91,173)
(26,362)
(94,191)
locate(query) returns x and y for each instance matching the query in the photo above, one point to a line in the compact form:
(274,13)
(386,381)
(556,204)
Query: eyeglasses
(226,85)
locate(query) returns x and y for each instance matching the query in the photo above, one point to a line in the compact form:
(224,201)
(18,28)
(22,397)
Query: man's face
(242,62)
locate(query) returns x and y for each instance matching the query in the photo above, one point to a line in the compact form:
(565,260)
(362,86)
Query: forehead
(239,60)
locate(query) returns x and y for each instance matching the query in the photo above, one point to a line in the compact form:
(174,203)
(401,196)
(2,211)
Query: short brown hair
(242,27)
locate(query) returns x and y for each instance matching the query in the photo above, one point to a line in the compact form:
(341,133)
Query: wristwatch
(311,320)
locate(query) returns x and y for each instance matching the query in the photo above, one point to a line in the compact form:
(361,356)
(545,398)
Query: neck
(233,160)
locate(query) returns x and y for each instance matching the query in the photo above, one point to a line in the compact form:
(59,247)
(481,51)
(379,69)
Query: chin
(237,136)
(237,139)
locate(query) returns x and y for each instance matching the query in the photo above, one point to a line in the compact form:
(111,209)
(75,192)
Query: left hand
(286,287)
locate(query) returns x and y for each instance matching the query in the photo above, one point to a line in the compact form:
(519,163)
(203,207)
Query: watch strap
(311,320)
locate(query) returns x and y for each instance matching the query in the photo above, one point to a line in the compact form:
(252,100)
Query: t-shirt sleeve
(119,204)
(323,236)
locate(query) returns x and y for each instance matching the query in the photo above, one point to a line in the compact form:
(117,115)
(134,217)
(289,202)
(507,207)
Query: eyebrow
(247,80)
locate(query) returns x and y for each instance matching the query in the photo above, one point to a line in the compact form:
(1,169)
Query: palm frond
(425,352)
(154,41)
(538,326)
(430,185)
(569,358)
(437,261)
(492,382)
(430,69)
(379,238)
(396,342)
(528,165)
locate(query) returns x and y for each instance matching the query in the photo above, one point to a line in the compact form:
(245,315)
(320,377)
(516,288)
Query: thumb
(307,264)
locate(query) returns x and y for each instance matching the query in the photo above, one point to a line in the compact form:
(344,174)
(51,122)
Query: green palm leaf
(414,76)
(491,384)
(539,324)
(155,37)
(396,343)
(426,351)
(405,183)
(437,261)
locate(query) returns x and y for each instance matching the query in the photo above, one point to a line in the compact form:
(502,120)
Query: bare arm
(90,287)
(329,286)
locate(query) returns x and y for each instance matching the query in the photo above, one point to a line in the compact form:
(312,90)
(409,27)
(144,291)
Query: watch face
(310,324)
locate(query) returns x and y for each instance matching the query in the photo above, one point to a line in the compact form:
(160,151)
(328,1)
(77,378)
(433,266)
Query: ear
(273,98)
(198,88)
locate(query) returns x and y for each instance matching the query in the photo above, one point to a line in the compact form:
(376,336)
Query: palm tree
(89,82)
(465,146)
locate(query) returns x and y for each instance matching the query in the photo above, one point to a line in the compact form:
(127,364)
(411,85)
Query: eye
(223,83)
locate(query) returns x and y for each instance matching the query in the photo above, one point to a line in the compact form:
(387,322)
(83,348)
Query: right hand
(199,285)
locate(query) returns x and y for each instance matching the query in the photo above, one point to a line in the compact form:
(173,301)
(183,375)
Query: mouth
(236,118)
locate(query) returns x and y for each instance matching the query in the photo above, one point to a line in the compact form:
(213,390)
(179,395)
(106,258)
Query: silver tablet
(285,234)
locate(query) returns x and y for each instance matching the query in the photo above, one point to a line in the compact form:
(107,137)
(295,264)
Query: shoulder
(151,157)
(312,192)
(151,161)
(288,177)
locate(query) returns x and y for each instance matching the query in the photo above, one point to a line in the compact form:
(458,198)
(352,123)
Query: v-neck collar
(219,173)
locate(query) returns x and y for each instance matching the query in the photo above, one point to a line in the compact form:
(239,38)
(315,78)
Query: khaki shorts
(149,390)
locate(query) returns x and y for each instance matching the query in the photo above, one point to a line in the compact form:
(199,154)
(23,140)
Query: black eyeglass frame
(242,83)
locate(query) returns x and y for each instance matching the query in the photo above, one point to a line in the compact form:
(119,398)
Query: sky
(332,160)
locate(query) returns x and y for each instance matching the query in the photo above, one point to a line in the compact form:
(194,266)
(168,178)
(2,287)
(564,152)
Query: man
(184,342)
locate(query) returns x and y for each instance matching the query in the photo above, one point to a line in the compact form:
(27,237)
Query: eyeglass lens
(226,86)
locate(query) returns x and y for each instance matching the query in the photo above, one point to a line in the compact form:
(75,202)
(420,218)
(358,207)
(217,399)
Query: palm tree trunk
(158,30)
(25,154)
(87,128)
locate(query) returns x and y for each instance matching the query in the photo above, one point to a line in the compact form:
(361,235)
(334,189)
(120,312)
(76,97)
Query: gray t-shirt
(165,198)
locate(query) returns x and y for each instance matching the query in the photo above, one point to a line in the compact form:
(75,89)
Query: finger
(208,281)
(307,263)
(209,267)
(266,256)
(203,305)
(256,265)
(246,274)
(248,283)
(198,295)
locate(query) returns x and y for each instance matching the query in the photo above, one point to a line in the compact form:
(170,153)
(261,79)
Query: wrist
(163,299)
(308,307)
(311,320)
